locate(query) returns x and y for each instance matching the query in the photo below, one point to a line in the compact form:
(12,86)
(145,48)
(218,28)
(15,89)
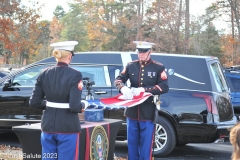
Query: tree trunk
(178,27)
(158,27)
(235,14)
(187,33)
(139,22)
(233,37)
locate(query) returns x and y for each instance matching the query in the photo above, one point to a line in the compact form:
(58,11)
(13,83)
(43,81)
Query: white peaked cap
(66,45)
(143,45)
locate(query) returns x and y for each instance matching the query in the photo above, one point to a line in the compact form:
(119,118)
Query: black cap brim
(143,50)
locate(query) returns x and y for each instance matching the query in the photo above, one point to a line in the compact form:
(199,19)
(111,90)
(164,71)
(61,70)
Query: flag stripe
(117,102)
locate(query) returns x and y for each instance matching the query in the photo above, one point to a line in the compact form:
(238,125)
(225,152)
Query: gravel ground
(10,153)
(15,153)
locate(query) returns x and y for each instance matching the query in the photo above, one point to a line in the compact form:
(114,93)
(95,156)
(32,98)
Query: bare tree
(158,26)
(187,32)
(178,26)
(140,19)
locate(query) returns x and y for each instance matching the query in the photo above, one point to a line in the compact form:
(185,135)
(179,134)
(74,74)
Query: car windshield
(218,76)
(26,76)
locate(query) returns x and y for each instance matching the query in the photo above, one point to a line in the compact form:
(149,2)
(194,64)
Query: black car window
(235,83)
(28,77)
(218,76)
(230,84)
(98,74)
(114,71)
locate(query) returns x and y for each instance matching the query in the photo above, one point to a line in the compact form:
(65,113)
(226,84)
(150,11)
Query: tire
(165,137)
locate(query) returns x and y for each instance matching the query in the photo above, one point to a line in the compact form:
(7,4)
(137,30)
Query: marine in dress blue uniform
(58,91)
(145,75)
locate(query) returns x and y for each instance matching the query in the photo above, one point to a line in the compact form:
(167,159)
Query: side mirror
(6,83)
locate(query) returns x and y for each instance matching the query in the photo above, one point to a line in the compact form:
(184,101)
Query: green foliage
(74,23)
(112,25)
(59,12)
(211,43)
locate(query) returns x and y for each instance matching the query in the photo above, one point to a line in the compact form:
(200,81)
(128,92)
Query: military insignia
(80,85)
(140,43)
(123,71)
(99,144)
(149,74)
(163,75)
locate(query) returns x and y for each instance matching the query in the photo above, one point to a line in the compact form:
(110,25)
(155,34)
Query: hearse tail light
(211,106)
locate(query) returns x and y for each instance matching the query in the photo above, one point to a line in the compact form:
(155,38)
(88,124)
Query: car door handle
(100,92)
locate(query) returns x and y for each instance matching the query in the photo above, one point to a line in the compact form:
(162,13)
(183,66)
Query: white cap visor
(67,45)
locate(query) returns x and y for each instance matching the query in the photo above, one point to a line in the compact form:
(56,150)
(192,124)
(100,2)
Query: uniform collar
(62,64)
(146,62)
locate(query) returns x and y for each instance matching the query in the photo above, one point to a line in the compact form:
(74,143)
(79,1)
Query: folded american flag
(118,102)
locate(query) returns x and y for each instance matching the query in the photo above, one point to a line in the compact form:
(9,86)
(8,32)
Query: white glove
(137,91)
(85,104)
(157,101)
(127,93)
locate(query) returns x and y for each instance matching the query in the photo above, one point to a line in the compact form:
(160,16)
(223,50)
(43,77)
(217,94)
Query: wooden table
(94,134)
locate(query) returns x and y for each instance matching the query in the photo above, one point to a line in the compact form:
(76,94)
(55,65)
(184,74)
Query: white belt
(57,105)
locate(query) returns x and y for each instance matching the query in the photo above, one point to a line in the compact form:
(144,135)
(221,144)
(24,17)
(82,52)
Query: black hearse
(197,108)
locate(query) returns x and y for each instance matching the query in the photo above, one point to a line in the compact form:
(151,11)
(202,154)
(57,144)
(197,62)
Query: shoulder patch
(80,85)
(163,75)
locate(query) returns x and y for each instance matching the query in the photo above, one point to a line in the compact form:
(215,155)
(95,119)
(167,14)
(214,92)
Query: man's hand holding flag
(128,98)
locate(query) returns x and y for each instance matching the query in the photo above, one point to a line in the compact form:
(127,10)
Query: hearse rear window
(184,72)
(218,76)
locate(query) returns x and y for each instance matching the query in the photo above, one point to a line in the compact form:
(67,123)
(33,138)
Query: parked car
(5,71)
(2,74)
(233,77)
(197,108)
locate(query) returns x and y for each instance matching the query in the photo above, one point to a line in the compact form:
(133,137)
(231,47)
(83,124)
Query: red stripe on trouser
(151,149)
(139,142)
(77,147)
(87,151)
